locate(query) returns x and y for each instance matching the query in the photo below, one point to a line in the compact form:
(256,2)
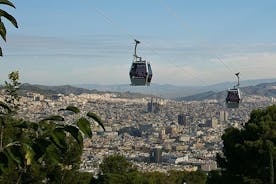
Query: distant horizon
(159,84)
(159,90)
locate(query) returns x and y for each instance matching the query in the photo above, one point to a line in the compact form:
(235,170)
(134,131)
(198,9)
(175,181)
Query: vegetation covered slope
(249,154)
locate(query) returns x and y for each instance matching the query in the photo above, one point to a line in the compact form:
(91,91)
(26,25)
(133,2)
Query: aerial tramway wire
(182,23)
(233,95)
(111,22)
(116,25)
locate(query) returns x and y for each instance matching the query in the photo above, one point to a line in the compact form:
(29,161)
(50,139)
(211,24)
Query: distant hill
(68,89)
(264,89)
(162,90)
(50,90)
(198,97)
(172,91)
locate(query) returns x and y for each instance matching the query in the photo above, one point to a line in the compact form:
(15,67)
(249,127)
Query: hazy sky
(187,42)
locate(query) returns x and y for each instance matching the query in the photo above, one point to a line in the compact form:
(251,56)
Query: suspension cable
(182,23)
(119,27)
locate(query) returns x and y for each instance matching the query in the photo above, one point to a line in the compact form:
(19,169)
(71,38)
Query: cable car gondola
(140,72)
(233,98)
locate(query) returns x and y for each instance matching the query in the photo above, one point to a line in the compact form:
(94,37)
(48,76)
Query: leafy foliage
(249,154)
(71,108)
(116,164)
(54,118)
(84,126)
(5,107)
(116,169)
(49,147)
(11,91)
(36,152)
(7,16)
(96,118)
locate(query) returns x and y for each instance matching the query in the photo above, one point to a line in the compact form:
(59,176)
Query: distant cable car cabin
(233,98)
(140,72)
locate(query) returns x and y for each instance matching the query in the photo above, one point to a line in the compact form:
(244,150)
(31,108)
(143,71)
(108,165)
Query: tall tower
(156,155)
(223,116)
(183,119)
(213,122)
(150,105)
(153,107)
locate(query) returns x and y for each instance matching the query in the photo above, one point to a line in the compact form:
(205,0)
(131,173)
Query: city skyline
(186,42)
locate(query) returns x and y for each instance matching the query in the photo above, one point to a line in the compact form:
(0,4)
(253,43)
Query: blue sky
(77,42)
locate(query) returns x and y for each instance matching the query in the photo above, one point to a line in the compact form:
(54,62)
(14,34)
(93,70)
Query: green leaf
(74,131)
(84,126)
(53,154)
(71,108)
(27,125)
(2,121)
(40,147)
(54,118)
(13,151)
(22,125)
(9,17)
(5,106)
(96,118)
(12,144)
(3,31)
(58,136)
(6,2)
(4,163)
(29,153)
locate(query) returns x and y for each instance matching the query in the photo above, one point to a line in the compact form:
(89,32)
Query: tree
(116,164)
(249,154)
(7,16)
(11,90)
(116,169)
(45,151)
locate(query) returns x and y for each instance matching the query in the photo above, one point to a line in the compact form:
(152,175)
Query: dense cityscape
(154,134)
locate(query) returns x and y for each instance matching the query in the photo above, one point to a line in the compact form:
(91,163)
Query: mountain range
(173,91)
(68,89)
(263,87)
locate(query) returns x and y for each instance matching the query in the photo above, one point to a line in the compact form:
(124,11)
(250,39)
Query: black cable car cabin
(233,97)
(140,72)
